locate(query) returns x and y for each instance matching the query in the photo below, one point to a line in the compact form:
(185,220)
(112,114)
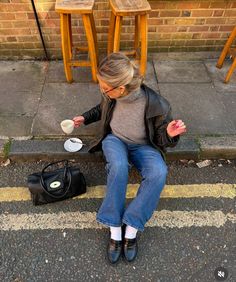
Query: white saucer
(73,147)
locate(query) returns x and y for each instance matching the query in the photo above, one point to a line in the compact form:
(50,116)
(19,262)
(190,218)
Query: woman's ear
(122,89)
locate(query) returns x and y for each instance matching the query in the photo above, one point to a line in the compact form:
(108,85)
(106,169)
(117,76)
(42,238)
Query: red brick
(198,28)
(214,28)
(153,14)
(220,4)
(226,28)
(171,5)
(211,35)
(230,13)
(165,35)
(11,39)
(170,13)
(151,29)
(6,24)
(7,16)
(155,21)
(187,5)
(200,21)
(218,13)
(197,42)
(215,21)
(202,13)
(196,35)
(157,5)
(184,21)
(21,16)
(169,21)
(166,28)
(182,28)
(204,5)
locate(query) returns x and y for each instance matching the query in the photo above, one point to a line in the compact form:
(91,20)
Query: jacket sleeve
(92,115)
(161,137)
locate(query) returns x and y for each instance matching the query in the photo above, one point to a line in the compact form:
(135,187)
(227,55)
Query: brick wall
(199,25)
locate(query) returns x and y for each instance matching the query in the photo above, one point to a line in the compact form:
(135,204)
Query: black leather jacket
(157,117)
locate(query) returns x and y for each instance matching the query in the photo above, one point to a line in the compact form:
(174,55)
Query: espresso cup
(67,126)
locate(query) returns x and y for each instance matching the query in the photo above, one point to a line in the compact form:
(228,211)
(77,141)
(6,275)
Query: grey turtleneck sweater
(127,121)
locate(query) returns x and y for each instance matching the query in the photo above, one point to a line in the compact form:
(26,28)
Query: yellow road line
(10,194)
(83,220)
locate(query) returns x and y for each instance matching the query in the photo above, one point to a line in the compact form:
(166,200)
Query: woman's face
(111,92)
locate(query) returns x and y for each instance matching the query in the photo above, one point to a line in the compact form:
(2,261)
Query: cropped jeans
(153,169)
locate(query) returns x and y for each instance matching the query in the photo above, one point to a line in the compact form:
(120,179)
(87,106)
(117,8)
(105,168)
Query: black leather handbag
(56,185)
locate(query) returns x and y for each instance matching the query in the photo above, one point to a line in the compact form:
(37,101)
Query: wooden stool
(85,8)
(139,9)
(231,51)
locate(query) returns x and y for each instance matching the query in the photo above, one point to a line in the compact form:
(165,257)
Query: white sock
(130,232)
(115,233)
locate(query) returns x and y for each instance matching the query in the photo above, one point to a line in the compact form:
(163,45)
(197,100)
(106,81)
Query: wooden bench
(85,8)
(139,9)
(228,51)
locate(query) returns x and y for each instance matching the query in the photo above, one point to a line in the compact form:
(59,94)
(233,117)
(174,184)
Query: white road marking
(84,220)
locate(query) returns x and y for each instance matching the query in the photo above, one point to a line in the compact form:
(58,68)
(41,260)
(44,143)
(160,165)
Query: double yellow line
(12,194)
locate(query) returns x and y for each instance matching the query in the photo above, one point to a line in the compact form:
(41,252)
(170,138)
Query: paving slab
(218,76)
(64,101)
(21,87)
(150,77)
(181,72)
(200,106)
(17,127)
(229,102)
(56,73)
(218,147)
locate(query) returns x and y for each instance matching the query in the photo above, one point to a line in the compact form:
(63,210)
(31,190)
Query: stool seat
(74,6)
(129,7)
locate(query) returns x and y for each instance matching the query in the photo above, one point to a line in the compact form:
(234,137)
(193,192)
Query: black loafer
(130,249)
(114,250)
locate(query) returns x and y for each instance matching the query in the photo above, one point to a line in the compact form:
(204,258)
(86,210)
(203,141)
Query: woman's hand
(175,128)
(78,120)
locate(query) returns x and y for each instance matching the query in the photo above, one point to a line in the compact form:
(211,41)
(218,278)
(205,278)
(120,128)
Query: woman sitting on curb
(136,127)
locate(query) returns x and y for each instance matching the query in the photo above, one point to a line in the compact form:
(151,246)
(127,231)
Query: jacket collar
(154,106)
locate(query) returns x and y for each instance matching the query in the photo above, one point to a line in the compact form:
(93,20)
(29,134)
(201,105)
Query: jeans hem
(108,223)
(132,225)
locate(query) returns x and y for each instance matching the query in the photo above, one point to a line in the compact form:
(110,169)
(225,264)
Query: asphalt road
(165,254)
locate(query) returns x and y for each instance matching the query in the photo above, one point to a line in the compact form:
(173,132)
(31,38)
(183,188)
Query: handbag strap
(67,173)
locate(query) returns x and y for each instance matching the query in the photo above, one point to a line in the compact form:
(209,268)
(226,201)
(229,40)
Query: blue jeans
(153,169)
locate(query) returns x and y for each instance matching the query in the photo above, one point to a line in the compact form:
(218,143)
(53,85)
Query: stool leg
(143,37)
(70,43)
(111,34)
(65,46)
(136,35)
(226,48)
(94,34)
(230,72)
(91,45)
(116,47)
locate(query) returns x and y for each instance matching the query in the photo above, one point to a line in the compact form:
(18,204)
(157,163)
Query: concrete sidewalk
(35,98)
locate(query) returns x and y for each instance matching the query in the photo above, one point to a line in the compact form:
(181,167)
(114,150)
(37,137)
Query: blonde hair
(117,70)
